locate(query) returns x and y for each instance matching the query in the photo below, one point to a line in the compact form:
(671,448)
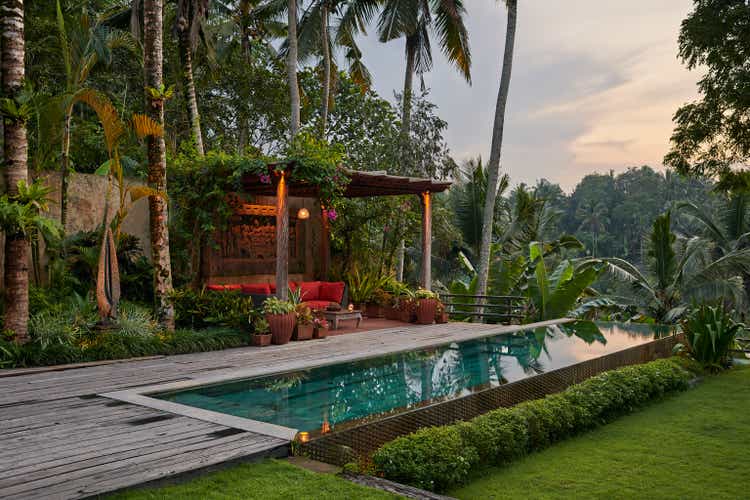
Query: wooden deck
(61,439)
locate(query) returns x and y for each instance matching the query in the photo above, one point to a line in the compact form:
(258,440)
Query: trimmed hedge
(113,346)
(437,458)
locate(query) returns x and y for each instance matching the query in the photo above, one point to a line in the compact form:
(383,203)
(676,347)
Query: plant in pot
(305,327)
(405,306)
(441,314)
(426,302)
(379,301)
(362,286)
(281,319)
(321,328)
(261,335)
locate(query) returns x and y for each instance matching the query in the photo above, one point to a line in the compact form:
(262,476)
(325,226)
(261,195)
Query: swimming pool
(322,399)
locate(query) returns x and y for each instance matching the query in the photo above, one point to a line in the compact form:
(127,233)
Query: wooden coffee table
(335,316)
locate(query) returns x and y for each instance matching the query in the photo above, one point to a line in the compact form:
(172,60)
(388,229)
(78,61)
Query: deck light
(303,214)
(304,437)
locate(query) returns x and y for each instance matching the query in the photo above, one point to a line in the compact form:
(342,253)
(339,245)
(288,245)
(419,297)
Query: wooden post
(426,241)
(282,239)
(325,244)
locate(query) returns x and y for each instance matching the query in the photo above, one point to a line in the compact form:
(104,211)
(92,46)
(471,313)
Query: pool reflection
(320,399)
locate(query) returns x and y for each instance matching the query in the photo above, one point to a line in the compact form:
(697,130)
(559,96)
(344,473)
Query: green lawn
(693,445)
(272,479)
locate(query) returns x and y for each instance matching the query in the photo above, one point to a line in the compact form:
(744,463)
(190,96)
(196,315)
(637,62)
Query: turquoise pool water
(320,399)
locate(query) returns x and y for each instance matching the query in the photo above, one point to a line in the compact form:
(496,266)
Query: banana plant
(554,295)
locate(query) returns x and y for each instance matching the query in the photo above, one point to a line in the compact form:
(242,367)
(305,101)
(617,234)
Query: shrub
(432,458)
(440,457)
(274,305)
(710,333)
(498,436)
(200,309)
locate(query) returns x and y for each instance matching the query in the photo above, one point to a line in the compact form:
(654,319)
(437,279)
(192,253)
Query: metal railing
(489,308)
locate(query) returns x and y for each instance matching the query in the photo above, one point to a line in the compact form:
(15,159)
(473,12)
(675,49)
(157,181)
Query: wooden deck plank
(61,440)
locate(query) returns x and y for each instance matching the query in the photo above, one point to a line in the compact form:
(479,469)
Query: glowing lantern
(303,214)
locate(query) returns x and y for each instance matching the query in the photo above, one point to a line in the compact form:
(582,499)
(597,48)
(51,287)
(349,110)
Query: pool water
(320,399)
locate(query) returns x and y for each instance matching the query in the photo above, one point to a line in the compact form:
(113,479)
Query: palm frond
(453,35)
(114,128)
(144,126)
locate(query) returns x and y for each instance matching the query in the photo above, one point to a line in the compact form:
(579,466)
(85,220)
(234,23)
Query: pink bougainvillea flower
(265,178)
(332,214)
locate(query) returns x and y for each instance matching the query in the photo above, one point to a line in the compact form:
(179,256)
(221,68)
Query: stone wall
(86,200)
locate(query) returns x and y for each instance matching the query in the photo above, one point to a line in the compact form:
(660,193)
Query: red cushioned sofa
(315,294)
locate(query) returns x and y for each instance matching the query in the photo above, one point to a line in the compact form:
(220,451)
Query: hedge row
(437,458)
(114,346)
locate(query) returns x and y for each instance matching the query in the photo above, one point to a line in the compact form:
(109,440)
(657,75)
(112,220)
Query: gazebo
(259,226)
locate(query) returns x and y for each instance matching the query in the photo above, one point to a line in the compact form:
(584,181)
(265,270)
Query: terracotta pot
(426,311)
(281,326)
(390,312)
(320,333)
(404,315)
(261,340)
(374,310)
(304,332)
(441,318)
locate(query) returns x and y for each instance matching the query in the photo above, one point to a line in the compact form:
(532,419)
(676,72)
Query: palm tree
(15,156)
(680,271)
(82,46)
(188,25)
(730,233)
(594,218)
(317,37)
(157,162)
(467,198)
(493,175)
(412,20)
(291,67)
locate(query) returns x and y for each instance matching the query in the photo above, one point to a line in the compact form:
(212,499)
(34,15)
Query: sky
(594,86)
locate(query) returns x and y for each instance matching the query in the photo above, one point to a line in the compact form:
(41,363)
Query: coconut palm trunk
(326,69)
(157,164)
(15,154)
(291,68)
(186,60)
(65,173)
(408,85)
(493,168)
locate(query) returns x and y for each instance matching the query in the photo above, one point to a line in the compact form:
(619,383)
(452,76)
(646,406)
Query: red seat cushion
(317,305)
(221,288)
(292,285)
(309,290)
(256,288)
(332,291)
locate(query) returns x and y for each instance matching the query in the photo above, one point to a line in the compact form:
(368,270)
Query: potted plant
(281,319)
(426,306)
(404,308)
(378,302)
(304,328)
(321,328)
(441,315)
(362,286)
(261,335)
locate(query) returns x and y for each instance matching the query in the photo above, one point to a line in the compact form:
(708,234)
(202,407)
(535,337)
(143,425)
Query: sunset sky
(594,86)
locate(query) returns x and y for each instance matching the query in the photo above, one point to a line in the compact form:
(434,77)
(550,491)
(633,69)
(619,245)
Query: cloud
(594,85)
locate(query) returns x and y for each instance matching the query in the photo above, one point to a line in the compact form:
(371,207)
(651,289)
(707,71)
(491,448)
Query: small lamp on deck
(303,213)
